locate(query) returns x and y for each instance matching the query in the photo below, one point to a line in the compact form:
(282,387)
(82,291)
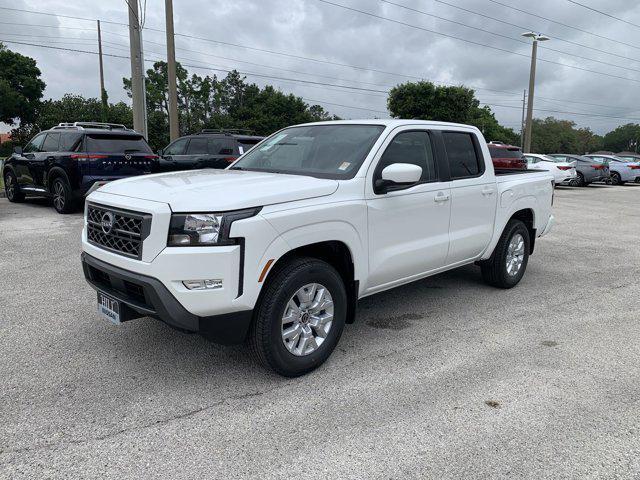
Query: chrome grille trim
(126,235)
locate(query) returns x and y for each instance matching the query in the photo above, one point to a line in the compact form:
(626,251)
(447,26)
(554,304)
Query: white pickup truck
(278,248)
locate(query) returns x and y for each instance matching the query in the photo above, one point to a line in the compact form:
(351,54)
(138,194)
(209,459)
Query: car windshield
(326,151)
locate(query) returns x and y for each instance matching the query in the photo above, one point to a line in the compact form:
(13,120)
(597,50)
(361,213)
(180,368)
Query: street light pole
(532,80)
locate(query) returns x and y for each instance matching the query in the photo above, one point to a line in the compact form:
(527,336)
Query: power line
(474,42)
(506,5)
(522,27)
(500,35)
(61,16)
(604,13)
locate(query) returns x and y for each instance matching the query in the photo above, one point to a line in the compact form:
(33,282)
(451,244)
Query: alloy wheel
(307,319)
(58,195)
(515,255)
(9,187)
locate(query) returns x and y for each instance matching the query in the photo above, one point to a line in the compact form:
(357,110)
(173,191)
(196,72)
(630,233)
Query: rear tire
(284,319)
(616,179)
(12,189)
(63,200)
(506,266)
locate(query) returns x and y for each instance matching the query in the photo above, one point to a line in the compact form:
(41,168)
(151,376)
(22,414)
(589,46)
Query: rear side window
(462,155)
(117,144)
(197,146)
(410,147)
(69,141)
(51,142)
(219,146)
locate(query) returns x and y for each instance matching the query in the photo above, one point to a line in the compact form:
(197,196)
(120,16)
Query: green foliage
(625,137)
(426,101)
(20,87)
(560,136)
(227,103)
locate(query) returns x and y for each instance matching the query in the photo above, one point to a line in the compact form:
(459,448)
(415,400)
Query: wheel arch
(334,252)
(56,172)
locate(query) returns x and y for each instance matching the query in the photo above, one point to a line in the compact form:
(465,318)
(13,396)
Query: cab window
(462,155)
(412,147)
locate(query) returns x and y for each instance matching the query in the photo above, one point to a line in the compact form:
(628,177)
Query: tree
(426,101)
(20,87)
(625,137)
(552,135)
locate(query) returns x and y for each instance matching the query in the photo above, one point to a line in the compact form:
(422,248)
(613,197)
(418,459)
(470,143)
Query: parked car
(70,160)
(588,170)
(631,157)
(622,171)
(506,157)
(207,149)
(278,248)
(563,172)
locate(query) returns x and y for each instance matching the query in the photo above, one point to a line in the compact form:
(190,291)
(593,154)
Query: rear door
(409,227)
(473,197)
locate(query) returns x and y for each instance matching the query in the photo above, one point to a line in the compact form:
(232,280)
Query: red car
(506,157)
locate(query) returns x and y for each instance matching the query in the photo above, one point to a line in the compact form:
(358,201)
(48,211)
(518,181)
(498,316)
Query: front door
(24,162)
(408,227)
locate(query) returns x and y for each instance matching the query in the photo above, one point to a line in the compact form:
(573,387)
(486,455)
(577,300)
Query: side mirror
(398,174)
(17,150)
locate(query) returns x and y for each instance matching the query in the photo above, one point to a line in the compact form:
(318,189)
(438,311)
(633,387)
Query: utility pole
(174,130)
(137,70)
(532,80)
(524,99)
(103,92)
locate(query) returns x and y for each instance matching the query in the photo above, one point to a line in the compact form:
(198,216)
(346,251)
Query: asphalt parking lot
(444,378)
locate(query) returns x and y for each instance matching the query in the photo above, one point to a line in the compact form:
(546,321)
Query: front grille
(116,230)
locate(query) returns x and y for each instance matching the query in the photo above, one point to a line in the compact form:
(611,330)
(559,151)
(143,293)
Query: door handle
(488,191)
(441,197)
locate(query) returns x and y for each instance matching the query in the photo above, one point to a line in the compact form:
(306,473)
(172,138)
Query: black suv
(71,160)
(207,149)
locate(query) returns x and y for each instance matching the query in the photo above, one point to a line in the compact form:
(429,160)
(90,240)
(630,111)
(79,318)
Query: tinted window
(117,144)
(413,148)
(51,142)
(69,141)
(461,152)
(219,146)
(328,151)
(197,146)
(35,144)
(504,153)
(177,147)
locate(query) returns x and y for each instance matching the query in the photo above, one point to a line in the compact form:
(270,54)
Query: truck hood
(220,190)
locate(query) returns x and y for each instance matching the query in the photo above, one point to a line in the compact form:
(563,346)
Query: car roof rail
(85,125)
(227,131)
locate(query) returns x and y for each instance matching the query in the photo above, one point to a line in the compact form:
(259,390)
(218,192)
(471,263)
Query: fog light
(208,284)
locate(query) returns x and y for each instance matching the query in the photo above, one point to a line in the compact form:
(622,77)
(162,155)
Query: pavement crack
(160,422)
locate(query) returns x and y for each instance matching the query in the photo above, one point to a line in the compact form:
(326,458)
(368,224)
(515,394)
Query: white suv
(278,248)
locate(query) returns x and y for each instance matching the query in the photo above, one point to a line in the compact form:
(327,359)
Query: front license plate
(108,308)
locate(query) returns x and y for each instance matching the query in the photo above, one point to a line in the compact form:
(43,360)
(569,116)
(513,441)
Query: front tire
(300,317)
(12,189)
(62,196)
(509,260)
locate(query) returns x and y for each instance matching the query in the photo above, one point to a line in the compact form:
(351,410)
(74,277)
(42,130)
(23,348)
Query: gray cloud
(314,29)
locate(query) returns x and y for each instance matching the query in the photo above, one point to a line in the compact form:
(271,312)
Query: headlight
(202,229)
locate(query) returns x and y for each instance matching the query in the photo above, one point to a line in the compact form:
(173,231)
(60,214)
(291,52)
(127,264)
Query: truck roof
(390,122)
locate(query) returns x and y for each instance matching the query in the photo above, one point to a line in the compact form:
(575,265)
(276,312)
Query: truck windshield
(325,151)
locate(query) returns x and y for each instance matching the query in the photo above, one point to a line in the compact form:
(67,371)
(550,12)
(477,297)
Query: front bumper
(147,296)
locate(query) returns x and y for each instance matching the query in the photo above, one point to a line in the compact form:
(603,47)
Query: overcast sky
(317,30)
